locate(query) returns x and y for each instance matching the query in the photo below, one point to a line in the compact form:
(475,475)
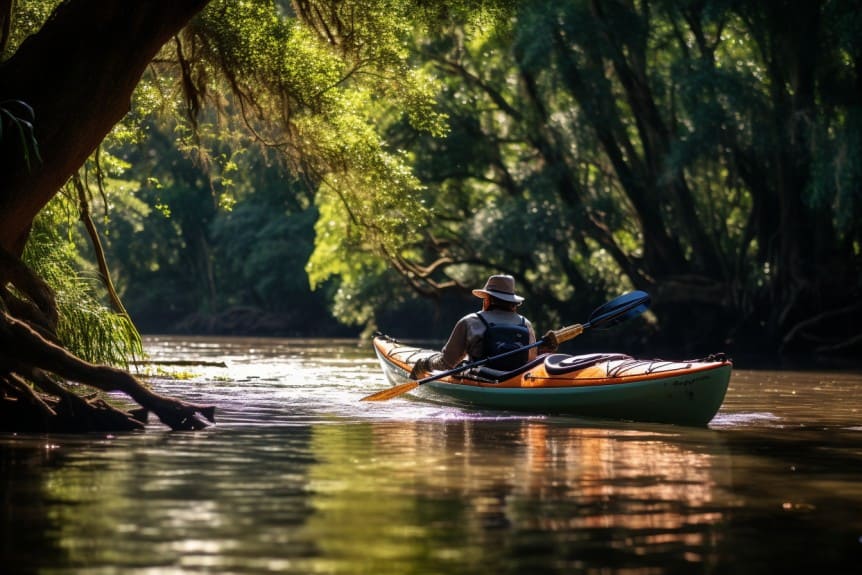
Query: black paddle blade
(619,310)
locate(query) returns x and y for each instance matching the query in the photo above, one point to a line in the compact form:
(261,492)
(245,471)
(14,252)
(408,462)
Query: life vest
(502,337)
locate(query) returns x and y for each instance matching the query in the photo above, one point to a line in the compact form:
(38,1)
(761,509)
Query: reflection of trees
(415,497)
(216,504)
(641,470)
(495,496)
(26,535)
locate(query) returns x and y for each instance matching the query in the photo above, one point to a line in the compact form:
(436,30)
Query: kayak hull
(608,386)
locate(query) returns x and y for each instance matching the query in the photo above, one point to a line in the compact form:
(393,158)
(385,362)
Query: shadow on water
(301,477)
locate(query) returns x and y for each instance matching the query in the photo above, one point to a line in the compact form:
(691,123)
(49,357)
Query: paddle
(615,311)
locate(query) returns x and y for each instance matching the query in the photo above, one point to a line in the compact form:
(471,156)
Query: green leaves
(86,326)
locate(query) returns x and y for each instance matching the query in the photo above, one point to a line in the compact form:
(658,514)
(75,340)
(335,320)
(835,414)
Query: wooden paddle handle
(569,332)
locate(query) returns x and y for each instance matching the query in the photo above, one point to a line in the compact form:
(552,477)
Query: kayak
(597,385)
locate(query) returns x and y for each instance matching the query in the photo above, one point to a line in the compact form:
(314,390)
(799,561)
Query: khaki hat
(501,287)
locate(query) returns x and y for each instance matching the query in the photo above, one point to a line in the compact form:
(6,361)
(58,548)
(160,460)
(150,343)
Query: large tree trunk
(77,74)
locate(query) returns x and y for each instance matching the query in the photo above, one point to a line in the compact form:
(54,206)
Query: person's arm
(455,349)
(453,352)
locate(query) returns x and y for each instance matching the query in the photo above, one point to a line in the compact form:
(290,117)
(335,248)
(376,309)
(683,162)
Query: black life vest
(502,337)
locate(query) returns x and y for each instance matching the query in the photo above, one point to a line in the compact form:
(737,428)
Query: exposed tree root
(29,353)
(30,356)
(37,307)
(62,411)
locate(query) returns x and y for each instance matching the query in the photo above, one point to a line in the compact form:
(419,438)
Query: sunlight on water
(742,418)
(299,476)
(290,382)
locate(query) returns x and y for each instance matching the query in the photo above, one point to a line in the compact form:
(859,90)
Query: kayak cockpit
(555,364)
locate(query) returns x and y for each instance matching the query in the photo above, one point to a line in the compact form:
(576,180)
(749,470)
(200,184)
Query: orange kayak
(602,385)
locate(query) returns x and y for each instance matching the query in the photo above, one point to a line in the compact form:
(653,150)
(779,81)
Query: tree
(230,248)
(109,45)
(297,78)
(704,151)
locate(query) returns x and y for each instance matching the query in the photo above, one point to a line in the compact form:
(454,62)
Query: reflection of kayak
(611,386)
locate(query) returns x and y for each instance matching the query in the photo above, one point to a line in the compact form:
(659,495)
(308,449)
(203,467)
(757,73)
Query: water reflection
(384,497)
(518,491)
(301,477)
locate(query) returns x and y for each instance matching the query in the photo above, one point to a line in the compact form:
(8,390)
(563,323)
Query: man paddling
(496,329)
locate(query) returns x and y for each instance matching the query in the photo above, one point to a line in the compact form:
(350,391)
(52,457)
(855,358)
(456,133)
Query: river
(299,476)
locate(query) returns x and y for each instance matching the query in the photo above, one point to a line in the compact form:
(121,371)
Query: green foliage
(181,254)
(837,172)
(601,148)
(86,326)
(27,17)
(316,96)
(586,148)
(260,251)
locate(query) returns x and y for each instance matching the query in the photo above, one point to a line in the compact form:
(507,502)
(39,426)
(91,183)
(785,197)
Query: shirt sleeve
(456,347)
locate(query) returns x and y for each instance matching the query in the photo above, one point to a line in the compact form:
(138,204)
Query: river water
(299,476)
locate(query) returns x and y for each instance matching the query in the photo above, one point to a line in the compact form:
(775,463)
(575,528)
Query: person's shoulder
(469,318)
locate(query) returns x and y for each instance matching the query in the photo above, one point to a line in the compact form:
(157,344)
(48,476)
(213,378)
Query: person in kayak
(496,329)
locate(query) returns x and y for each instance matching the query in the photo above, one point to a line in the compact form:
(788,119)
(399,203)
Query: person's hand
(419,368)
(549,342)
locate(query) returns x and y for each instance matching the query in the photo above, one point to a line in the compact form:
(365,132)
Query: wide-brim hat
(501,287)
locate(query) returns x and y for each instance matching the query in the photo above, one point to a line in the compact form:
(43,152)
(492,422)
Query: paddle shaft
(405,387)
